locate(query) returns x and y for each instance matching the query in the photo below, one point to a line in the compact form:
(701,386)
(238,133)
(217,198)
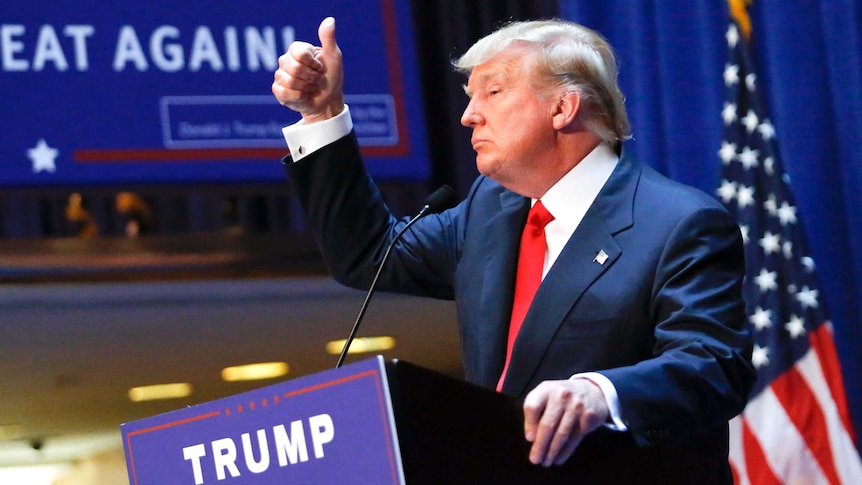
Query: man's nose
(470,117)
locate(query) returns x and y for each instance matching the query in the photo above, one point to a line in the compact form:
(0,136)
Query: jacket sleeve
(700,373)
(354,226)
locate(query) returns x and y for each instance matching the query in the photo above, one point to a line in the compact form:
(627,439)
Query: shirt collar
(570,198)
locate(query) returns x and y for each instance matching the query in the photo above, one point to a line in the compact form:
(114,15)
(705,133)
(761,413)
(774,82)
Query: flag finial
(739,11)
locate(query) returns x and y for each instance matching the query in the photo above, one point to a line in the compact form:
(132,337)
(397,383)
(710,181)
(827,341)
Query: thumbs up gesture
(310,79)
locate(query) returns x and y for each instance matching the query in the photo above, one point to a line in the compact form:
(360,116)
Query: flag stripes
(796,427)
(766,444)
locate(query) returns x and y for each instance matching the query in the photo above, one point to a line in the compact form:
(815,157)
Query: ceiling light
(160,391)
(361,345)
(251,372)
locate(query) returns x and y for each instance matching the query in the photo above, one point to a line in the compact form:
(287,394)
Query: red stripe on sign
(204,154)
(183,155)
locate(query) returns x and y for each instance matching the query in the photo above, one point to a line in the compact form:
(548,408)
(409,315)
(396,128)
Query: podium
(370,422)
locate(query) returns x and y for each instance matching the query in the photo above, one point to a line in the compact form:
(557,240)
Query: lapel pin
(601,257)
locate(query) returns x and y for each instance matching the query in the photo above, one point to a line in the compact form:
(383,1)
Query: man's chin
(486,167)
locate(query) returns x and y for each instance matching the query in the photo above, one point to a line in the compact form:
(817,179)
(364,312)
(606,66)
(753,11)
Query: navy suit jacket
(661,316)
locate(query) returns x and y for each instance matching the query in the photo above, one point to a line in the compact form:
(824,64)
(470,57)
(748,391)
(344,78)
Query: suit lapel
(502,238)
(578,265)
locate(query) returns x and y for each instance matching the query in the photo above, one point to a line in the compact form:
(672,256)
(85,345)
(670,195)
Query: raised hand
(310,79)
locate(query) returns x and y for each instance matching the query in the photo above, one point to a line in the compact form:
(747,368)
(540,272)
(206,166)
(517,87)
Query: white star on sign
(766,280)
(795,327)
(761,318)
(43,157)
(760,356)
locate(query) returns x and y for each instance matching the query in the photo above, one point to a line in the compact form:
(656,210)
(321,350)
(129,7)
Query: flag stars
(761,319)
(807,297)
(771,205)
(727,152)
(766,130)
(769,166)
(781,311)
(750,121)
(750,81)
(727,191)
(786,214)
(732,36)
(745,196)
(731,74)
(787,249)
(748,158)
(771,243)
(728,113)
(795,327)
(766,280)
(760,356)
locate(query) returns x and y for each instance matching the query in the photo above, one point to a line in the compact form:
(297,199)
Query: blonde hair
(566,56)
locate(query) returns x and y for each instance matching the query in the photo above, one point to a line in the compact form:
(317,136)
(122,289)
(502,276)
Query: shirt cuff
(611,398)
(303,139)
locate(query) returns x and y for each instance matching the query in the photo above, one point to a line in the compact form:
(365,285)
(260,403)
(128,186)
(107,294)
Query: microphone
(440,200)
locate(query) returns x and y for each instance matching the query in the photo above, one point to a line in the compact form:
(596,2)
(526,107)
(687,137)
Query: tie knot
(539,216)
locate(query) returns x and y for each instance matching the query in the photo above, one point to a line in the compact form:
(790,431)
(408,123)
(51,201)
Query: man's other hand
(557,416)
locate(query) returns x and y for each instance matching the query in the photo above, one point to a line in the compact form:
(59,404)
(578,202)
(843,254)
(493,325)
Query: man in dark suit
(629,342)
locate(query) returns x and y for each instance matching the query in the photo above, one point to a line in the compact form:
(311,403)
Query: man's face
(512,125)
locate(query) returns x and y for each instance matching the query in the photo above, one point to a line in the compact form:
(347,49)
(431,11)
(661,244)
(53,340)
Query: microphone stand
(440,199)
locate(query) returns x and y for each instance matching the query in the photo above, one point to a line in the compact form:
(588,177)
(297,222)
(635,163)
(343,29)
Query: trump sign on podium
(165,92)
(333,427)
(368,422)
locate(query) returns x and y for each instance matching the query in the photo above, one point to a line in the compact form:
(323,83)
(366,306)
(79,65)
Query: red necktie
(531,261)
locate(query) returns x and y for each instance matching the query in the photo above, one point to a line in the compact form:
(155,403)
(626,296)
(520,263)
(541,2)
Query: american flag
(796,427)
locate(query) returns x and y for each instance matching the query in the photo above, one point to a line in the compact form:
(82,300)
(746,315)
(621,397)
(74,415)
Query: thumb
(326,33)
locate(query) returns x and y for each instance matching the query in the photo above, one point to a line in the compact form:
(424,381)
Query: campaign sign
(332,427)
(158,91)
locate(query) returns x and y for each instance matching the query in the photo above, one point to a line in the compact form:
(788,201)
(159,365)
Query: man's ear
(567,109)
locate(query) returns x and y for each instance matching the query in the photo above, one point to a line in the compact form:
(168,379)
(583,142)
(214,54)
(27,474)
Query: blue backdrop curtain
(809,58)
